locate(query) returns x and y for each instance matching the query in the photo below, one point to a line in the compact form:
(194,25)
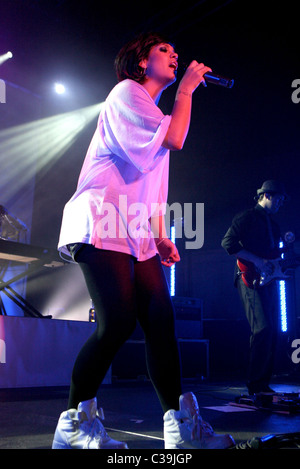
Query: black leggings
(124,291)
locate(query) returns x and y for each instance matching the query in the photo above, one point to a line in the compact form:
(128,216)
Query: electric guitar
(253,278)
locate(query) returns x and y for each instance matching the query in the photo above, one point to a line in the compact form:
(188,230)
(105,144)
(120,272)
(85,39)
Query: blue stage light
(282,302)
(172,268)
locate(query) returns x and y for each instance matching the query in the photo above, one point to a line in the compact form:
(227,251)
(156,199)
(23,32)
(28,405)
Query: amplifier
(130,361)
(189,317)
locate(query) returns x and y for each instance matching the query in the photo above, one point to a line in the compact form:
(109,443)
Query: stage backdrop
(40,352)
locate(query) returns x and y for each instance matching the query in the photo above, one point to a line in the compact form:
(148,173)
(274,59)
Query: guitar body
(252,278)
(249,273)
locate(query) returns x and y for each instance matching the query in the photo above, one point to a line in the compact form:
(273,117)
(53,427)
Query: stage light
(283,308)
(59,88)
(5,57)
(282,301)
(172,271)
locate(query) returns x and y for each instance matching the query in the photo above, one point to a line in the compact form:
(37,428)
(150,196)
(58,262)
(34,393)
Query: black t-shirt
(255,231)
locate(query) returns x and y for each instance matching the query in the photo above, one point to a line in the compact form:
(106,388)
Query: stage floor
(28,416)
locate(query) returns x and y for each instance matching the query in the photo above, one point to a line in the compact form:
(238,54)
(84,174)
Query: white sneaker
(185,429)
(82,429)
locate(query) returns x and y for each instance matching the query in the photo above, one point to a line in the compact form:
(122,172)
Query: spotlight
(5,57)
(59,88)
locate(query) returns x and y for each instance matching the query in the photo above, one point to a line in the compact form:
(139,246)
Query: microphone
(218,80)
(215,79)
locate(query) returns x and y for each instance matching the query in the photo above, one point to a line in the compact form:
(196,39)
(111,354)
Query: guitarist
(253,238)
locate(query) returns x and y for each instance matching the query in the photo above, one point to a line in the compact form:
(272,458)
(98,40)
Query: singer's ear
(143,63)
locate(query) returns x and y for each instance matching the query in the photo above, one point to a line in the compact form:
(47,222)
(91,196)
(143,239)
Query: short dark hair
(131,54)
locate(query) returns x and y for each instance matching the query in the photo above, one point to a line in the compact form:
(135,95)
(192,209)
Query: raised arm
(181,113)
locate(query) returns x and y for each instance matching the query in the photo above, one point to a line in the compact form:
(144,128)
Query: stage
(36,364)
(28,416)
(237,139)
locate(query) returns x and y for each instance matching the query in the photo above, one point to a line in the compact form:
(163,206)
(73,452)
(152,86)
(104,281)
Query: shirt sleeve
(134,127)
(232,241)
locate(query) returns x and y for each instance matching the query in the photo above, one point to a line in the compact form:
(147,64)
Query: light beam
(5,57)
(31,147)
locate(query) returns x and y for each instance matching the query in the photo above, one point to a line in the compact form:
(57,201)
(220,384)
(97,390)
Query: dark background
(238,138)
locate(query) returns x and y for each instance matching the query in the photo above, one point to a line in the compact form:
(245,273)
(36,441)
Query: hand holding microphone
(194,75)
(205,74)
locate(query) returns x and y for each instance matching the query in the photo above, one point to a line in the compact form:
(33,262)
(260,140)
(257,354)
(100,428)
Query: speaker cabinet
(189,317)
(130,362)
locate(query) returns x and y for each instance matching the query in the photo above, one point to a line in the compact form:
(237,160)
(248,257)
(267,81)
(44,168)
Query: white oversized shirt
(124,177)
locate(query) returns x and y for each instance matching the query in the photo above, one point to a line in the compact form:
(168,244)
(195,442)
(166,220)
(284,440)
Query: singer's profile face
(162,64)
